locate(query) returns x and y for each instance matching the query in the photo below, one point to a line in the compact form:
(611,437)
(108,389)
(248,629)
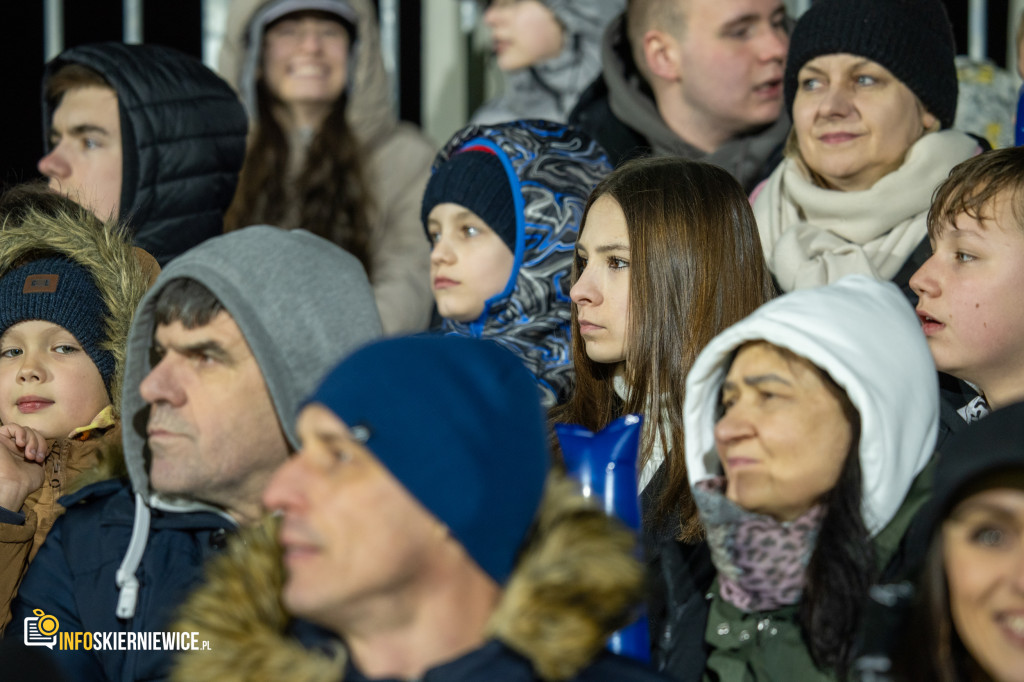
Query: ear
(929,121)
(661,52)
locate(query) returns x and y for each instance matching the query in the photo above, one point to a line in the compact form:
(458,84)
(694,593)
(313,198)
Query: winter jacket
(182,138)
(863,334)
(550,89)
(396,157)
(124,556)
(93,451)
(619,111)
(551,170)
(22,534)
(575,580)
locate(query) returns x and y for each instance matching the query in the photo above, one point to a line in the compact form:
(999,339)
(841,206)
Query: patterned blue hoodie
(551,170)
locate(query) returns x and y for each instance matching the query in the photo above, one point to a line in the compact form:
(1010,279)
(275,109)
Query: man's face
(84,163)
(352,534)
(213,433)
(732,59)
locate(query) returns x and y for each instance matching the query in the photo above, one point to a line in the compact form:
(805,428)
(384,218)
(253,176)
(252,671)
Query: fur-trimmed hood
(121,272)
(576,582)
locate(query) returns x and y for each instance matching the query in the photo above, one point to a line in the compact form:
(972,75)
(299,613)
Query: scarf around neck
(813,236)
(761,562)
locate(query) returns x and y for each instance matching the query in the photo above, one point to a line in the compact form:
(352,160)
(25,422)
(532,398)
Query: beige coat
(398,158)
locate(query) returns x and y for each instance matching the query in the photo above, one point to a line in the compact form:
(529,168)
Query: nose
(54,165)
(585,291)
(924,282)
(32,369)
(162,385)
(837,102)
(491,15)
(311,40)
(775,45)
(441,252)
(733,427)
(285,491)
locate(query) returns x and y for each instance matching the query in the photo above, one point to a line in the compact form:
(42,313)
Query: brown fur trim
(239,611)
(576,582)
(35,220)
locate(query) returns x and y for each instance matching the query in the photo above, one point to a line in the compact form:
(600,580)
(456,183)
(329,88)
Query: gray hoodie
(550,90)
(301,302)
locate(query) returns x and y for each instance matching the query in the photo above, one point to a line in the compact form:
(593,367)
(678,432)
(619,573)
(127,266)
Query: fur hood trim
(576,582)
(122,272)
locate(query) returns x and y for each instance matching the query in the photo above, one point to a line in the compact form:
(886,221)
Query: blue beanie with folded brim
(459,423)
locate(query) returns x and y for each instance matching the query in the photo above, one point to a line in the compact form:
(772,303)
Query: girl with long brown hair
(668,256)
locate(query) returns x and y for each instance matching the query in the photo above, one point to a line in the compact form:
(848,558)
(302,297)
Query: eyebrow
(969,507)
(211,348)
(757,380)
(80,130)
(609,248)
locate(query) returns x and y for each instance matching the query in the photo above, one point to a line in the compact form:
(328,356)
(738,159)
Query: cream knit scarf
(813,236)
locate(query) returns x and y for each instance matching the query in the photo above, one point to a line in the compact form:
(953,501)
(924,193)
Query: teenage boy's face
(970,306)
(469,263)
(85,161)
(47,382)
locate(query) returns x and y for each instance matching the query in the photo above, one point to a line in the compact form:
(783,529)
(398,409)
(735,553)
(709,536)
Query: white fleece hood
(865,335)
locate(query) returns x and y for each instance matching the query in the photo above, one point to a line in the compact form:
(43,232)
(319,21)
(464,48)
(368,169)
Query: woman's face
(601,293)
(523,32)
(854,120)
(305,61)
(783,437)
(983,551)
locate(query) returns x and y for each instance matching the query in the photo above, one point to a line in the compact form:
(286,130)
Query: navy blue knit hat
(458,422)
(913,39)
(58,290)
(476,179)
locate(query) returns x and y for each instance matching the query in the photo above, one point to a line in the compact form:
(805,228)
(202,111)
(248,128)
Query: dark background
(178,24)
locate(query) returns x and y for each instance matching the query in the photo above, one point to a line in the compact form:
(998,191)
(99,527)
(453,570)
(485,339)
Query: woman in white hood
(807,427)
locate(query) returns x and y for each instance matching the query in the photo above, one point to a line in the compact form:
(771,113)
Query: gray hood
(302,304)
(867,337)
(550,90)
(746,157)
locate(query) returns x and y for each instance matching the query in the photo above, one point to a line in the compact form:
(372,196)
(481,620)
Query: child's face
(523,32)
(970,301)
(47,382)
(469,263)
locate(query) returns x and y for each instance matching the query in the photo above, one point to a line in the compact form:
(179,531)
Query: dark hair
(71,76)
(330,197)
(972,187)
(696,267)
(186,301)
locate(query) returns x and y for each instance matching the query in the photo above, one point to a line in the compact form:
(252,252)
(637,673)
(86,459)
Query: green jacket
(768,646)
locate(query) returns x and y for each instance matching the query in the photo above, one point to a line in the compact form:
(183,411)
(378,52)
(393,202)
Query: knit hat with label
(56,289)
(911,38)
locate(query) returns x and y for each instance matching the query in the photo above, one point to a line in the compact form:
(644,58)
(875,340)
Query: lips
(586,327)
(308,71)
(929,325)
(769,89)
(838,137)
(444,283)
(32,403)
(1013,625)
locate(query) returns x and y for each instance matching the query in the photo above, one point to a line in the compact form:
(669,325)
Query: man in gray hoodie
(700,79)
(232,336)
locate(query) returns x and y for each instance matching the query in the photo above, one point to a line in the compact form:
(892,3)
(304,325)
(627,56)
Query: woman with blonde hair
(872,89)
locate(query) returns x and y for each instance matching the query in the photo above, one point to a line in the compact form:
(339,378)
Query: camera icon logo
(41,629)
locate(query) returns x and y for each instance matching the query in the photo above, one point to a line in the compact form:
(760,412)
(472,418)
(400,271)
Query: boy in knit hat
(502,212)
(969,289)
(68,287)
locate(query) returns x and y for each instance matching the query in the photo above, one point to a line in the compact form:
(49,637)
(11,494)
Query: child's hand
(19,477)
(25,440)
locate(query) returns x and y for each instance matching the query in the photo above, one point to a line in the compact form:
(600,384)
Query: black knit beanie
(58,290)
(911,38)
(478,181)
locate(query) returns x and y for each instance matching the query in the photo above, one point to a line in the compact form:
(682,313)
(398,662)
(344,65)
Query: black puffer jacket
(183,134)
